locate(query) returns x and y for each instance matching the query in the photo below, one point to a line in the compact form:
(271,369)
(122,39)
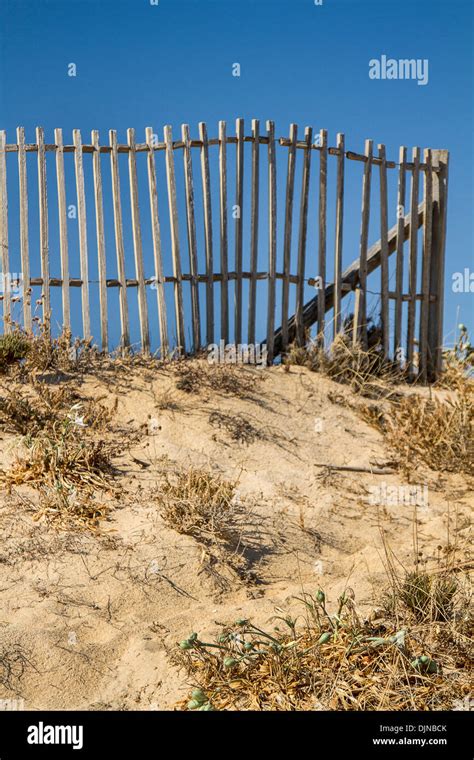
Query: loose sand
(90,616)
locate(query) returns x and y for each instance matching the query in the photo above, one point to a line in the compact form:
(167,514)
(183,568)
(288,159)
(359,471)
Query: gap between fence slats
(290,188)
(124,318)
(175,250)
(63,237)
(100,235)
(207,206)
(223,231)
(157,252)
(323,159)
(384,311)
(412,264)
(339,234)
(137,244)
(254,214)
(400,244)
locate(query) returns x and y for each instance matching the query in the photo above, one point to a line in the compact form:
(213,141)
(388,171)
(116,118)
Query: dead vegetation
(366,372)
(200,504)
(197,376)
(411,654)
(237,426)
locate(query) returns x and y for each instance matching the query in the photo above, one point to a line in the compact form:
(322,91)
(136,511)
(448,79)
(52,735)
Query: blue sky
(142,65)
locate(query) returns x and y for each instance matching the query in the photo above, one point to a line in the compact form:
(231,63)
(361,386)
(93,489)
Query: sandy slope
(93,615)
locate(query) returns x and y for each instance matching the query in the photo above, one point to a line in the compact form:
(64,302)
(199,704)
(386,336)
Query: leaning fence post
(440,160)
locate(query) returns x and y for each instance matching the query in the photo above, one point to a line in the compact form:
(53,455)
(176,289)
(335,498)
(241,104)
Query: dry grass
(199,504)
(439,433)
(237,426)
(365,371)
(323,660)
(68,469)
(195,376)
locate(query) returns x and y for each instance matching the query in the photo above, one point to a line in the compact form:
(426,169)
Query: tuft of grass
(199,504)
(60,455)
(365,371)
(439,433)
(429,597)
(195,376)
(237,426)
(14,348)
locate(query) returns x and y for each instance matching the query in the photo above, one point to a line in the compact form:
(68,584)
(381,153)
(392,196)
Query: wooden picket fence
(430,214)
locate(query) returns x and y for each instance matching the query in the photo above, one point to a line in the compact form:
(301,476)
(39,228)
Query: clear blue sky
(142,65)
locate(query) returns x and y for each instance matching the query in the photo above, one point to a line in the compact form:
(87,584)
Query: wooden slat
(63,241)
(440,160)
(223,231)
(82,221)
(43,223)
(254,229)
(174,226)
(412,263)
(364,241)
(137,244)
(384,252)
(157,253)
(118,227)
(399,262)
(272,240)
(192,243)
(323,157)
(303,229)
(239,200)
(100,233)
(356,320)
(5,256)
(426,265)
(339,233)
(207,205)
(290,191)
(24,242)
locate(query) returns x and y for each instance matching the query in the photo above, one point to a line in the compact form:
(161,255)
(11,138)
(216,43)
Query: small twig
(349,468)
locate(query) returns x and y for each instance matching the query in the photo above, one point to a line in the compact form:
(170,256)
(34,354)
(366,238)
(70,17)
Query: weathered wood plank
(137,244)
(254,213)
(118,227)
(412,263)
(290,191)
(223,232)
(239,200)
(272,240)
(192,243)
(157,253)
(339,232)
(43,225)
(399,262)
(303,231)
(5,257)
(207,206)
(323,162)
(63,238)
(440,160)
(356,318)
(364,241)
(24,241)
(100,233)
(82,221)
(175,250)
(426,264)
(384,314)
